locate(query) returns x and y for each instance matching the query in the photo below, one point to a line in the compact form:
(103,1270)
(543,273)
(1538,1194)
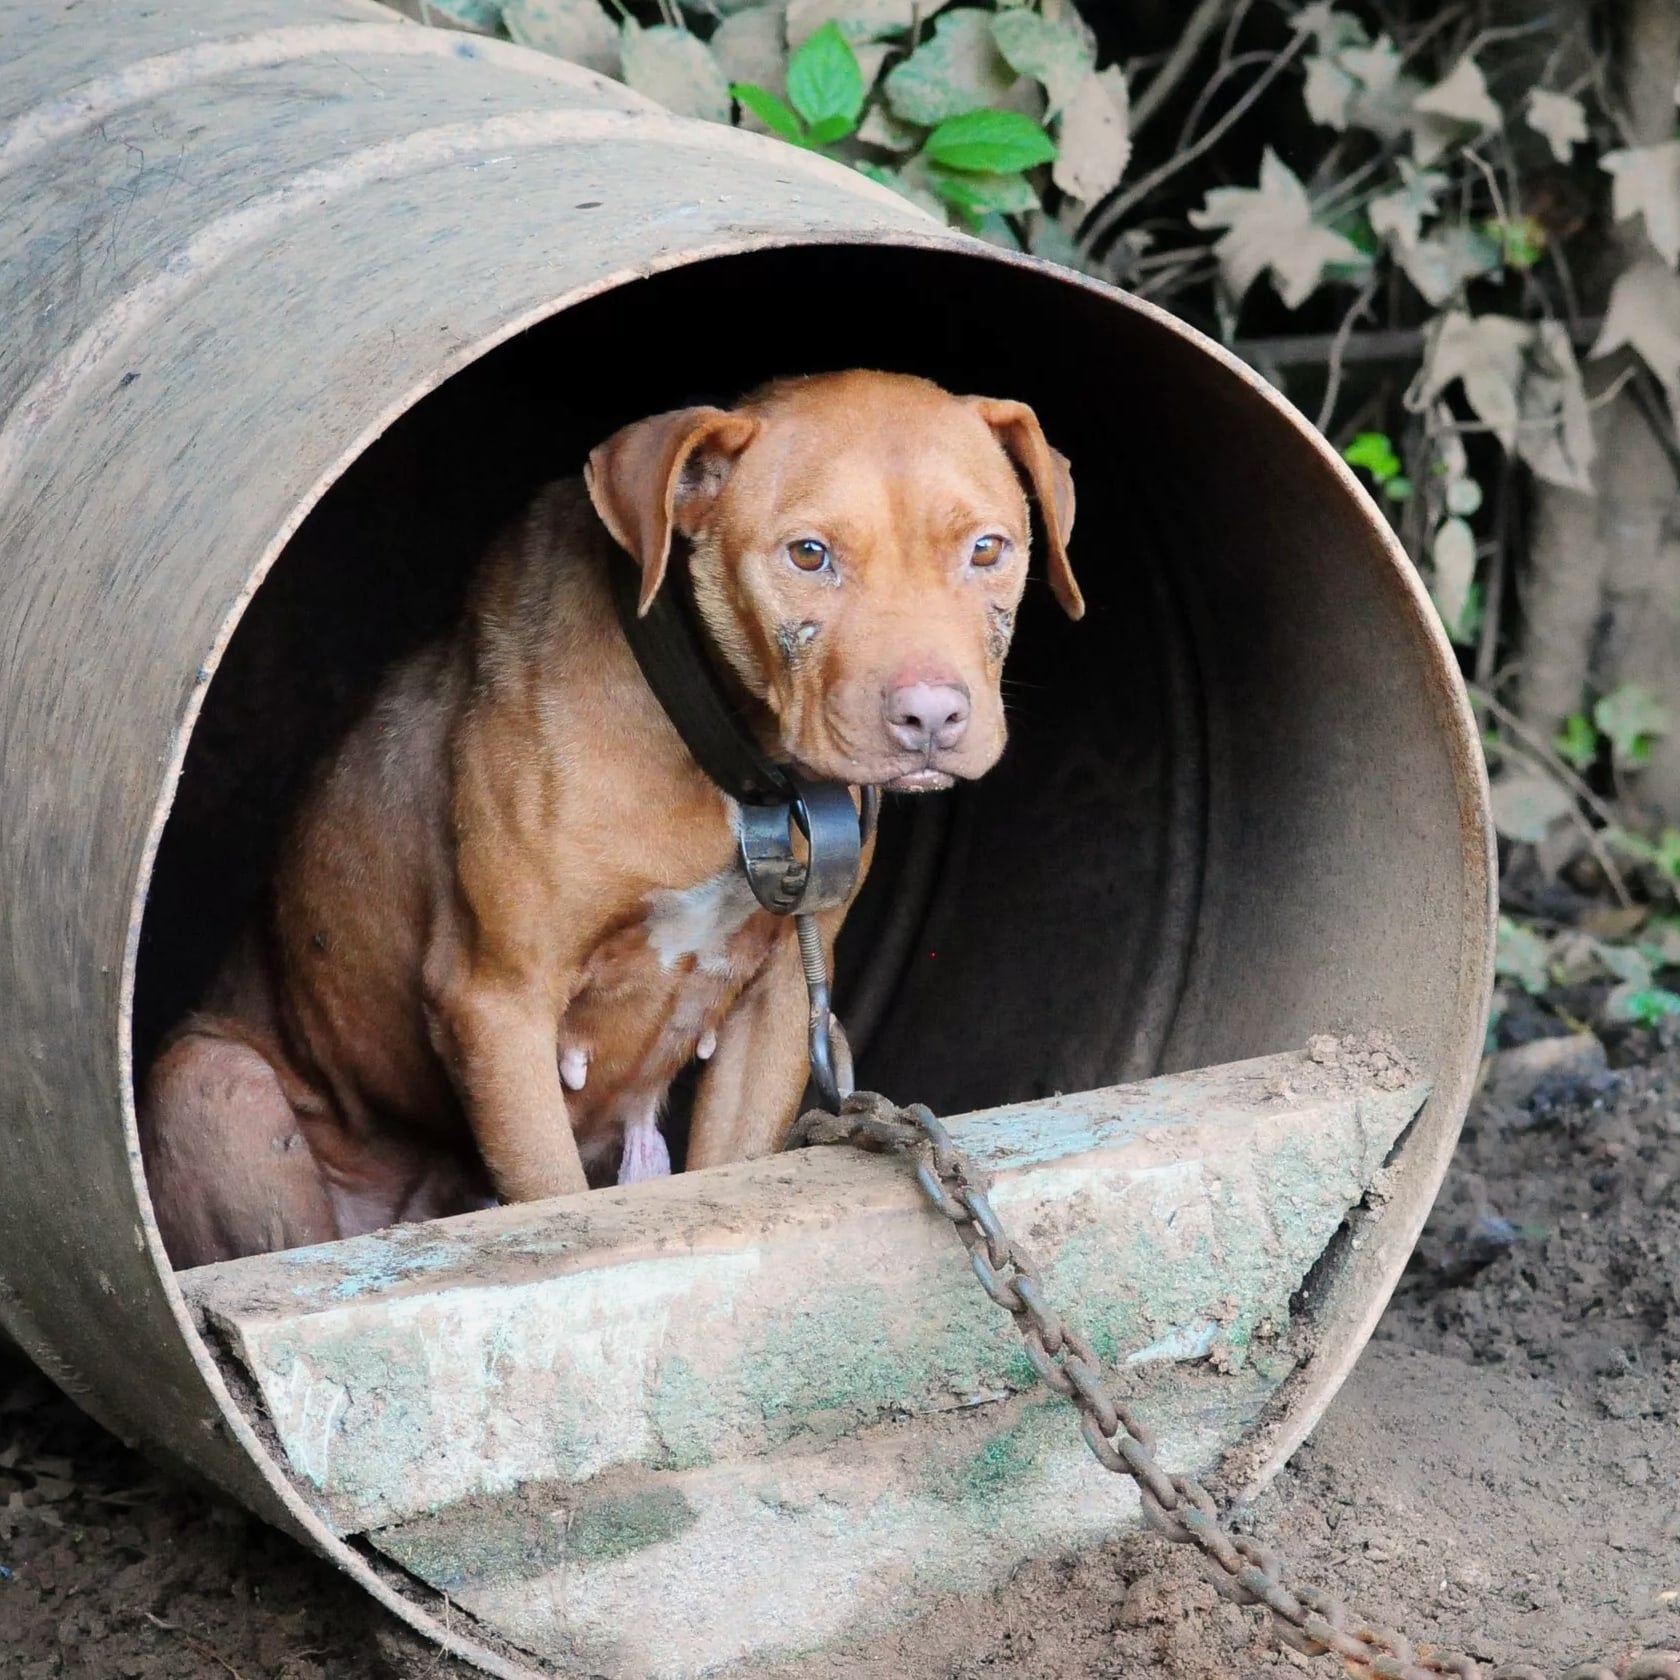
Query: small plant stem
(1338,348)
(1195,34)
(1243,61)
(1595,843)
(1487,644)
(1544,756)
(1106,221)
(193,1643)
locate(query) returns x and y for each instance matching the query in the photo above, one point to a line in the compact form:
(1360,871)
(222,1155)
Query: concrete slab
(737,1411)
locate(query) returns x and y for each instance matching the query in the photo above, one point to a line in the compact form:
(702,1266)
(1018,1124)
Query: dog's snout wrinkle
(927,716)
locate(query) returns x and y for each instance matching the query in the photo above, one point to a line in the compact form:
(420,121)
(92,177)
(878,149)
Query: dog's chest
(685,948)
(662,984)
(700,923)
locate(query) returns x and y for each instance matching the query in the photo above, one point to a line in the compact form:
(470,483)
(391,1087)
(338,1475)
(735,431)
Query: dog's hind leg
(229,1169)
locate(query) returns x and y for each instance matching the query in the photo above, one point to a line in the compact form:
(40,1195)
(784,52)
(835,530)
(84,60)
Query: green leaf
(989,143)
(1661,941)
(1375,453)
(770,111)
(910,181)
(1398,488)
(825,81)
(996,230)
(830,129)
(1578,744)
(1356,229)
(1521,240)
(1643,1005)
(1632,717)
(1635,846)
(1521,955)
(1668,853)
(976,195)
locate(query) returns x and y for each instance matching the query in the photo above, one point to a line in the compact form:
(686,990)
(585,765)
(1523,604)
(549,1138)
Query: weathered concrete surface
(780,1377)
(685,1573)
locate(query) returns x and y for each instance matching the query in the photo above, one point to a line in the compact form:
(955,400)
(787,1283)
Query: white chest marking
(700,921)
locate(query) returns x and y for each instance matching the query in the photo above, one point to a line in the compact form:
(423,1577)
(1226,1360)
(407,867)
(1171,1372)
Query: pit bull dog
(509,911)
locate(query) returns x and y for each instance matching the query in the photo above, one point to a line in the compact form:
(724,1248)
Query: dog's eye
(988,551)
(808,554)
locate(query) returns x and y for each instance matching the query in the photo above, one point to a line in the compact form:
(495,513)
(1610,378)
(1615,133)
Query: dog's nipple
(707,1047)
(574,1068)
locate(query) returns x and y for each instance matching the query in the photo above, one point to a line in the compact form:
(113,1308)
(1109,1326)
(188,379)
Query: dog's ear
(660,475)
(1016,427)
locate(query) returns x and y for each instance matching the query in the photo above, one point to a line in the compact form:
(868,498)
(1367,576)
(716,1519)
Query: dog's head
(858,550)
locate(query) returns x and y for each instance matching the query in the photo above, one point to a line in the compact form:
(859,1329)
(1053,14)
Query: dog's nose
(927,716)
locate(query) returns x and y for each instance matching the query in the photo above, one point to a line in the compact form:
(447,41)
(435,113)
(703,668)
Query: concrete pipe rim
(1366,1283)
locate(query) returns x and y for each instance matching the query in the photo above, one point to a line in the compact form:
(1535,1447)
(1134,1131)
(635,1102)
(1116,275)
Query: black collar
(667,642)
(671,650)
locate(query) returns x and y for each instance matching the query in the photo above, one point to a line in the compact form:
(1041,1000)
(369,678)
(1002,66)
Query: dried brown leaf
(1384,100)
(1453,554)
(1646,182)
(1271,227)
(881,128)
(1644,316)
(1556,434)
(751,46)
(577,30)
(1094,143)
(1328,27)
(958,70)
(1458,105)
(675,68)
(1440,264)
(1526,802)
(1560,119)
(1399,216)
(859,20)
(1329,92)
(1058,53)
(1485,353)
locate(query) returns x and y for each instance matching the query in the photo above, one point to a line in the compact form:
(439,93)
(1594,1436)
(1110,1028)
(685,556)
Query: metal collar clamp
(834,832)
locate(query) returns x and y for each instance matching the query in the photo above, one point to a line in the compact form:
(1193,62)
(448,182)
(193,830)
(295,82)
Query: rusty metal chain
(1178,1507)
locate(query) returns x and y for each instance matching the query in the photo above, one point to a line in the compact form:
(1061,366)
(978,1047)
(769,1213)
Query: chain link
(1177,1507)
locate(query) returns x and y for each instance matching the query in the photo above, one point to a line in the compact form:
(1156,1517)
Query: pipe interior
(1227,816)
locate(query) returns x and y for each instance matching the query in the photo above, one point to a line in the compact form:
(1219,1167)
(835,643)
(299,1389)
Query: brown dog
(509,911)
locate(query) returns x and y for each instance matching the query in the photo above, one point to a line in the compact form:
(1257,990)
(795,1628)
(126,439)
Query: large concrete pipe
(299,300)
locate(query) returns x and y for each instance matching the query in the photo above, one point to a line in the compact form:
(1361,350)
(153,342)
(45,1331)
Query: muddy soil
(1501,1474)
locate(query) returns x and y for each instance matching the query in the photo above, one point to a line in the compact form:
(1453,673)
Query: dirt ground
(1501,1473)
